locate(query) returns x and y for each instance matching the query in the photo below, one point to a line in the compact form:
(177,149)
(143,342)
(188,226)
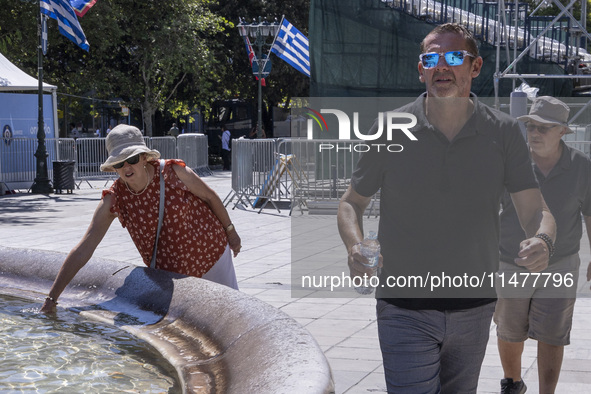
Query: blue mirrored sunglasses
(453,58)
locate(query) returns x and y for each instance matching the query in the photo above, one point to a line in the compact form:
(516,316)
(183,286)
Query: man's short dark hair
(456,29)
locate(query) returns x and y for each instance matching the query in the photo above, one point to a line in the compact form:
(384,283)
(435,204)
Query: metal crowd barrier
(18,163)
(326,166)
(17,160)
(91,153)
(252,162)
(192,149)
(165,145)
(310,174)
(583,146)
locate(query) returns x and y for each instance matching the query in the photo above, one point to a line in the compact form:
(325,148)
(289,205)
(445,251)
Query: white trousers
(222,271)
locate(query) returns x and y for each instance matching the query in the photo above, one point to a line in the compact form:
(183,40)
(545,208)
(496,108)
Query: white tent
(19,109)
(13,79)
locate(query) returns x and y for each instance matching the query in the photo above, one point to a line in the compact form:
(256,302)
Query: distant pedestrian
(226,148)
(254,132)
(174,131)
(74,131)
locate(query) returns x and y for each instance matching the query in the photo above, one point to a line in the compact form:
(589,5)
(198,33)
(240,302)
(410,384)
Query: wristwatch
(229,228)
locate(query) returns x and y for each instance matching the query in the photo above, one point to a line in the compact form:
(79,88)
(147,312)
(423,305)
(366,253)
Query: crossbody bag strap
(160,214)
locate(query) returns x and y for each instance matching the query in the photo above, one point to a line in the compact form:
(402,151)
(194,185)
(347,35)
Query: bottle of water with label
(370,249)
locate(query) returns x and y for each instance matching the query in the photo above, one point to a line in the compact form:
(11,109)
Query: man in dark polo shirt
(439,206)
(543,310)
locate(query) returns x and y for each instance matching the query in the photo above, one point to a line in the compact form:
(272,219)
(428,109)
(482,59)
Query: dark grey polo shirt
(440,201)
(567,191)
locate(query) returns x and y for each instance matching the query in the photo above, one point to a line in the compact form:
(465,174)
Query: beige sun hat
(123,142)
(549,110)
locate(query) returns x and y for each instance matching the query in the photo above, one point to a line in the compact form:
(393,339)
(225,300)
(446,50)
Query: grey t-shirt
(567,192)
(440,201)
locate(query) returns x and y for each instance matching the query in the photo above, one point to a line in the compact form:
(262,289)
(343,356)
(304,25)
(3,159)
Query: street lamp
(41,184)
(260,31)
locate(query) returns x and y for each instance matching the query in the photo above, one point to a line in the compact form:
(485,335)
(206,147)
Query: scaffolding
(510,27)
(572,52)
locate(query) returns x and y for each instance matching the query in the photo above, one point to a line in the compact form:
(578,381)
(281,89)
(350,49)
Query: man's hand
(357,263)
(533,255)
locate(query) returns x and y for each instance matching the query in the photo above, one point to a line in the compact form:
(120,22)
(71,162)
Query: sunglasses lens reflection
(132,160)
(453,58)
(541,129)
(430,60)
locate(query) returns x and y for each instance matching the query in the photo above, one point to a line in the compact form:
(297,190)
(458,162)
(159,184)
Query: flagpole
(259,41)
(277,33)
(260,31)
(41,184)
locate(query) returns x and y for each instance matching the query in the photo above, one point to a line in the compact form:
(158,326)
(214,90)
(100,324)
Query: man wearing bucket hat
(196,237)
(543,311)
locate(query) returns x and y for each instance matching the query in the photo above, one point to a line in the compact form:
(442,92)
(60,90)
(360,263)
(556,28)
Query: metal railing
(482,18)
(583,146)
(90,154)
(253,163)
(17,159)
(310,174)
(193,150)
(18,162)
(165,145)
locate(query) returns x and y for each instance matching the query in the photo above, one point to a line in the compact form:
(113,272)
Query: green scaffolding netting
(363,48)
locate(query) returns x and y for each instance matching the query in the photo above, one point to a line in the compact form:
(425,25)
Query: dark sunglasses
(453,58)
(132,160)
(530,127)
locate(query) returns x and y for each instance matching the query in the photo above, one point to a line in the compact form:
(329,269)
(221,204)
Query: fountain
(218,340)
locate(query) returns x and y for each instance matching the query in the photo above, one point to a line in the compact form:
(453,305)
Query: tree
(168,56)
(284,82)
(153,48)
(141,52)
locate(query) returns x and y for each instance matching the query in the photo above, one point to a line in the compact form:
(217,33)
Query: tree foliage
(162,55)
(284,82)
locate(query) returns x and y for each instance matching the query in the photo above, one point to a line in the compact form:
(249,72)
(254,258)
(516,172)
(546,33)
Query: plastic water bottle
(370,249)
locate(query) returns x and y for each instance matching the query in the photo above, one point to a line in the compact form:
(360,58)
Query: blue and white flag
(62,11)
(293,47)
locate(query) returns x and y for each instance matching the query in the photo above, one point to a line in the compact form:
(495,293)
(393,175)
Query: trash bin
(63,176)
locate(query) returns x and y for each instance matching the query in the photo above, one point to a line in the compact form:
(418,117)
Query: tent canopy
(13,79)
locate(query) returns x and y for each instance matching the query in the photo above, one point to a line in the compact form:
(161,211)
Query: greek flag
(62,11)
(293,47)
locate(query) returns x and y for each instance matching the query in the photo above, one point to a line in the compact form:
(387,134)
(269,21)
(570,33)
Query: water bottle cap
(372,235)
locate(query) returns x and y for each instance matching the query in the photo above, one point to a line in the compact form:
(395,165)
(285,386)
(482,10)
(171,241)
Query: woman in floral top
(197,237)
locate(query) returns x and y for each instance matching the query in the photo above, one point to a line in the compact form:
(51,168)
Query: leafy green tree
(141,52)
(238,81)
(150,50)
(170,56)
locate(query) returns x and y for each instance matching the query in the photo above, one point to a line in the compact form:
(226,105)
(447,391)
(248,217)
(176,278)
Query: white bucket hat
(549,110)
(123,142)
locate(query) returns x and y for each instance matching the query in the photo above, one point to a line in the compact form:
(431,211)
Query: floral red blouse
(192,239)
